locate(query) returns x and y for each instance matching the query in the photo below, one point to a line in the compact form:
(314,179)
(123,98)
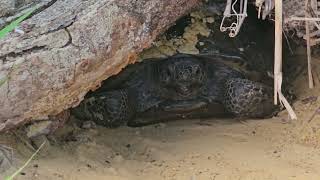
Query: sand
(196,149)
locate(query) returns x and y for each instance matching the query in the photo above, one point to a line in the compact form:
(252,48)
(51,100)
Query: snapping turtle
(181,86)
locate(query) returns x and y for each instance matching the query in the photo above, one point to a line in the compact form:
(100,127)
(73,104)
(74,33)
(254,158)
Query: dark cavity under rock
(182,86)
(193,86)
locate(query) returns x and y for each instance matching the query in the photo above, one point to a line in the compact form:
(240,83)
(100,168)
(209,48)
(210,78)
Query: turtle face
(182,78)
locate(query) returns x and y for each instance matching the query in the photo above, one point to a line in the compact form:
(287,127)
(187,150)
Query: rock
(46,127)
(38,128)
(7,7)
(70,47)
(88,125)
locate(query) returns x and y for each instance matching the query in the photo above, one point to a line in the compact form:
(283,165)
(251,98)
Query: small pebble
(210,20)
(118,158)
(88,125)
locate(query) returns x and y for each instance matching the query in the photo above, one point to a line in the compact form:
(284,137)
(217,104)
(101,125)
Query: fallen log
(69,47)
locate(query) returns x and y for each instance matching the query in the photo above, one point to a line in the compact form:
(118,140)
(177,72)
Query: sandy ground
(187,150)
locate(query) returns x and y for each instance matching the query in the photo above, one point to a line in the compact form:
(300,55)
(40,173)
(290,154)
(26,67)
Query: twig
(317,111)
(278,61)
(312,34)
(302,19)
(316,77)
(4,149)
(288,43)
(311,85)
(277,47)
(314,42)
(25,164)
(24,141)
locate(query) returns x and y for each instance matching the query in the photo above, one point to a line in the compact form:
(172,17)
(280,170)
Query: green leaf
(15,23)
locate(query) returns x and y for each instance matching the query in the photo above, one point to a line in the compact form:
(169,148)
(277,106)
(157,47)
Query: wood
(277,48)
(303,19)
(308,47)
(278,61)
(69,47)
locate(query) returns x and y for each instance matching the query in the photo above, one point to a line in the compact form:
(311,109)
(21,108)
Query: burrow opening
(157,89)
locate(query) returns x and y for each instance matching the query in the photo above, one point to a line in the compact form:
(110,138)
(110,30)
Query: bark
(70,47)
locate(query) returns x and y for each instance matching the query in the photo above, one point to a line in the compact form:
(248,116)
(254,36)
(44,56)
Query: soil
(219,149)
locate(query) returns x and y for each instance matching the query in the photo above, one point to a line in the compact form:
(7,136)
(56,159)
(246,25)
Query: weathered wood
(308,46)
(278,60)
(70,46)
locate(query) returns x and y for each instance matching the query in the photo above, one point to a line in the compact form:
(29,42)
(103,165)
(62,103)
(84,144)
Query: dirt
(188,149)
(198,149)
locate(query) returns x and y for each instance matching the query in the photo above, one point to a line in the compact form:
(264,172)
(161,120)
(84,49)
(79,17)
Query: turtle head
(182,77)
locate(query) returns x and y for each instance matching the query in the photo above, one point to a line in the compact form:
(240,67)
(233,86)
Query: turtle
(176,87)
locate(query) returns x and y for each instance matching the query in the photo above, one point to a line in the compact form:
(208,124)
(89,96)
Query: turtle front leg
(110,109)
(245,98)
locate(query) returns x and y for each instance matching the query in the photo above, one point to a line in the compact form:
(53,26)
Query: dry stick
(316,24)
(317,111)
(316,77)
(312,34)
(303,19)
(4,150)
(26,163)
(308,47)
(288,43)
(314,42)
(283,100)
(24,141)
(277,47)
(278,60)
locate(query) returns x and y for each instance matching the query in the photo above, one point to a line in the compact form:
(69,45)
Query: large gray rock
(70,46)
(7,7)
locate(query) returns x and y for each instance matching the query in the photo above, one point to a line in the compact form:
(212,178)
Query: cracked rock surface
(70,46)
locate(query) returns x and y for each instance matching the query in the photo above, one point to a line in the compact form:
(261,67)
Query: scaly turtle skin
(181,86)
